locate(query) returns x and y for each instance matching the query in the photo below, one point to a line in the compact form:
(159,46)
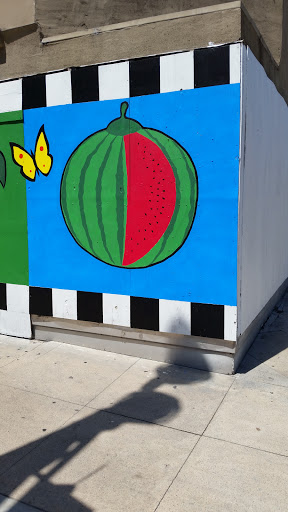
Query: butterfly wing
(24,160)
(42,158)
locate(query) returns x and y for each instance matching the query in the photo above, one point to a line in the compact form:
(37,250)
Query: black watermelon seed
(149,223)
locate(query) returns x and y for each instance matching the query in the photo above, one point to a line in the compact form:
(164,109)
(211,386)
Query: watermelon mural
(129,194)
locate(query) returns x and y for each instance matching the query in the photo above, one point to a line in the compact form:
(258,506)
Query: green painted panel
(13,209)
(11,117)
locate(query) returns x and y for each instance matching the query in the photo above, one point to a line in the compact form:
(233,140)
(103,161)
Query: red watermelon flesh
(151,196)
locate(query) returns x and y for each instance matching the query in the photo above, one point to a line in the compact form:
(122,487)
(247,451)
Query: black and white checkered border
(148,75)
(205,320)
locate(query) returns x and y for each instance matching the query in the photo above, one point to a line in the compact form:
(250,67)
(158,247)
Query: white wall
(263,199)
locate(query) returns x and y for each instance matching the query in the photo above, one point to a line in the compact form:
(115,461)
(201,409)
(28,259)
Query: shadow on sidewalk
(33,476)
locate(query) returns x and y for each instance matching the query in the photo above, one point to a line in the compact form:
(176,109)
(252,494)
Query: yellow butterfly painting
(30,164)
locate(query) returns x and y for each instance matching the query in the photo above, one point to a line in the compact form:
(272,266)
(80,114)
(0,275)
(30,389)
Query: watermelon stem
(123,125)
(123,108)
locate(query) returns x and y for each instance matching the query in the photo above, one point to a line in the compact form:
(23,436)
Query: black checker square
(144,313)
(33,92)
(211,66)
(85,84)
(207,320)
(90,307)
(40,301)
(144,76)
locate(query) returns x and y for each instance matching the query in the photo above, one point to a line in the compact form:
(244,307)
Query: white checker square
(58,88)
(116,309)
(11,96)
(114,81)
(177,72)
(230,323)
(175,316)
(17,298)
(64,303)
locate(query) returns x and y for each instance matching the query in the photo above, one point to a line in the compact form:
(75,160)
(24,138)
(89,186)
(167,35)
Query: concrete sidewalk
(83,430)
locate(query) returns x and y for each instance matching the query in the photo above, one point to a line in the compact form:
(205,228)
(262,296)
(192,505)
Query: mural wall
(121,191)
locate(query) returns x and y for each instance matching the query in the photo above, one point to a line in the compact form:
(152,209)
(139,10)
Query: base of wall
(207,354)
(204,354)
(249,335)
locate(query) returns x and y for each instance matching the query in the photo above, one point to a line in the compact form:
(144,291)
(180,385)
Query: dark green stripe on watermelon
(106,200)
(72,201)
(83,177)
(121,202)
(70,184)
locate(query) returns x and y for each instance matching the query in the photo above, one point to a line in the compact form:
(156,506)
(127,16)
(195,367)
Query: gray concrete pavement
(83,430)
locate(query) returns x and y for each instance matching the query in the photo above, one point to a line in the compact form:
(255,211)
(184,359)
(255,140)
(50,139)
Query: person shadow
(32,468)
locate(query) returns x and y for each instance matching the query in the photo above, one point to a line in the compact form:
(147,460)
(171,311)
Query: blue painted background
(206,123)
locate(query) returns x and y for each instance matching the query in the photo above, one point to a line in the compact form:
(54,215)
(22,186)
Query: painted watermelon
(129,194)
